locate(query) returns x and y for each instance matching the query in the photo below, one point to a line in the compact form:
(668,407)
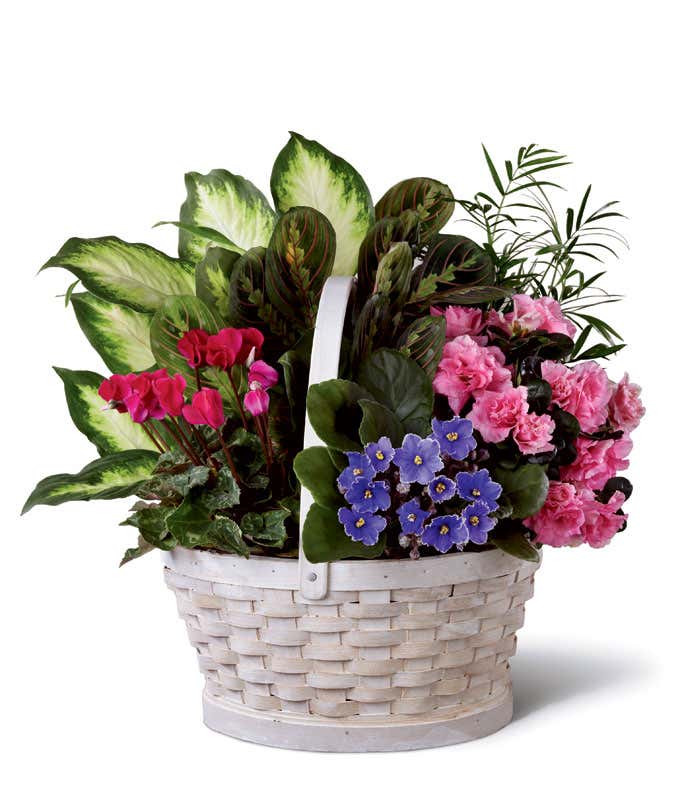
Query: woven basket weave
(369,655)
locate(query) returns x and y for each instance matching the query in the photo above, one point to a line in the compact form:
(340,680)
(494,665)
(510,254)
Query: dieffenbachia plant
(458,419)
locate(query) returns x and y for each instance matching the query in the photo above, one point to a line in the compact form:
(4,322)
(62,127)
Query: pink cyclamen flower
(251,344)
(142,402)
(530,314)
(597,461)
(205,409)
(461,320)
(261,375)
(602,521)
(625,407)
(192,346)
(559,521)
(495,414)
(223,348)
(256,401)
(170,393)
(533,433)
(468,369)
(115,390)
(583,391)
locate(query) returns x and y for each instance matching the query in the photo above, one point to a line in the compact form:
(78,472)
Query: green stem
(238,399)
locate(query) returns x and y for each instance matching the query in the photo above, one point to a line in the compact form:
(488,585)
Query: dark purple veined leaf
(432,200)
(423,342)
(247,288)
(372,327)
(472,265)
(298,261)
(461,296)
(380,238)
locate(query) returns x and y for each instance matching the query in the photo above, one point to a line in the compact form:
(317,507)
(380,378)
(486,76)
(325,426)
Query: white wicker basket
(352,656)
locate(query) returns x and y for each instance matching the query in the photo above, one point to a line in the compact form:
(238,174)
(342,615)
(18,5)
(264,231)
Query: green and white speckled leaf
(119,334)
(225,203)
(133,274)
(110,477)
(108,430)
(307,174)
(213,281)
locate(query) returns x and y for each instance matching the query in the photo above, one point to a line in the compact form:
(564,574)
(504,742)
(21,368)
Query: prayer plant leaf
(334,412)
(225,203)
(401,386)
(432,200)
(324,539)
(108,430)
(174,317)
(423,341)
(525,487)
(119,334)
(316,471)
(213,281)
(133,274)
(298,261)
(307,174)
(110,477)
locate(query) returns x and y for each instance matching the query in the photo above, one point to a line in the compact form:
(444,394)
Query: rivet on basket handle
(330,320)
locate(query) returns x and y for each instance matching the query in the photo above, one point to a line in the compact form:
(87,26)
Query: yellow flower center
(418,460)
(368,494)
(380,455)
(357,472)
(476,492)
(411,517)
(360,522)
(444,530)
(452,436)
(474,520)
(440,487)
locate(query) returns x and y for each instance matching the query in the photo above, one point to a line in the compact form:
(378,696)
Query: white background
(105,107)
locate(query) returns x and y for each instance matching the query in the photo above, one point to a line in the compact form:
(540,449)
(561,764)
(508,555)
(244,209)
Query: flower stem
(153,438)
(186,449)
(229,459)
(185,438)
(199,385)
(238,399)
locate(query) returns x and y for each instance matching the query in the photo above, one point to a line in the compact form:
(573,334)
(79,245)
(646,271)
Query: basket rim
(281,573)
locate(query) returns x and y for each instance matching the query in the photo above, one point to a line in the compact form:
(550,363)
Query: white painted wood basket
(353,655)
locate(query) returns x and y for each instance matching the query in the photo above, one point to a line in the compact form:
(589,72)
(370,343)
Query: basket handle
(330,320)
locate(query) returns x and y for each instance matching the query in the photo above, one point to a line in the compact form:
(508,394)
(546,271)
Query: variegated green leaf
(431,199)
(225,203)
(213,281)
(176,316)
(108,430)
(204,233)
(133,274)
(110,477)
(307,174)
(298,261)
(119,334)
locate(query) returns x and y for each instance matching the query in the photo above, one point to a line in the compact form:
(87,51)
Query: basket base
(308,733)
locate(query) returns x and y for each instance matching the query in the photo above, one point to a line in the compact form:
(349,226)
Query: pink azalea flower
(115,390)
(192,347)
(205,409)
(625,407)
(495,414)
(461,320)
(602,521)
(533,433)
(468,369)
(560,379)
(170,393)
(256,401)
(251,344)
(529,314)
(597,461)
(559,521)
(224,348)
(583,391)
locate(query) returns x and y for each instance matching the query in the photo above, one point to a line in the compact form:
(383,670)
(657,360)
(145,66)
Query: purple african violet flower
(411,517)
(441,489)
(454,436)
(367,496)
(478,522)
(364,527)
(418,459)
(442,532)
(359,466)
(380,453)
(478,485)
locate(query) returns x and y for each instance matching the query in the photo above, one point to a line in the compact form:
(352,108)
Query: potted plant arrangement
(351,433)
